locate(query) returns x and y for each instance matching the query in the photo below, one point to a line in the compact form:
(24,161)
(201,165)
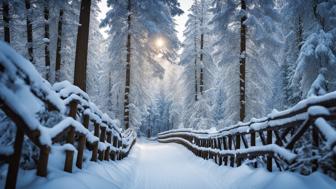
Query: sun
(159,43)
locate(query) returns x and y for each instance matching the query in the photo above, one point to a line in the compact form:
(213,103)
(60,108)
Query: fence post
(81,143)
(121,154)
(269,157)
(207,152)
(211,144)
(253,143)
(225,158)
(108,140)
(102,139)
(218,146)
(118,150)
(96,129)
(94,151)
(232,158)
(113,156)
(14,161)
(238,159)
(70,139)
(315,141)
(198,143)
(42,164)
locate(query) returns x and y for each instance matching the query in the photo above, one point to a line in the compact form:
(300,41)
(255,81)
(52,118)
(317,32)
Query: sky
(180,20)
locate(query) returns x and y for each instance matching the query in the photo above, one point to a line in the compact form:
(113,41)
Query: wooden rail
(82,127)
(272,139)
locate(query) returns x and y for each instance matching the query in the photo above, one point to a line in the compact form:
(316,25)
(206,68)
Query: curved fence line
(272,139)
(31,103)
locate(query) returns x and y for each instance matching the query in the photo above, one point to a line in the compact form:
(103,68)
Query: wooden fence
(82,126)
(272,139)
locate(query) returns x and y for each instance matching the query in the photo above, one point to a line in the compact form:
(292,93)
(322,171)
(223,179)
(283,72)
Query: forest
(143,76)
(151,66)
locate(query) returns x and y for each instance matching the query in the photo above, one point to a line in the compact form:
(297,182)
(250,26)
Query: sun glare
(159,42)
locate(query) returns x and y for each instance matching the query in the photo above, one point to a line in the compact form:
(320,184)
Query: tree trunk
(196,57)
(201,50)
(82,45)
(242,61)
(5,14)
(128,69)
(47,38)
(299,33)
(196,85)
(29,31)
(59,45)
(202,66)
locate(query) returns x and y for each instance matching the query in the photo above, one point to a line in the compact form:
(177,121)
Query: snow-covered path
(170,166)
(152,165)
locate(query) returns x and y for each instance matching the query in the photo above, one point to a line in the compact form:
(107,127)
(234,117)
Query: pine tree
(135,27)
(311,68)
(253,79)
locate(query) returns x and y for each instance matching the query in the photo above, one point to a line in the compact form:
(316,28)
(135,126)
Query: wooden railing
(272,139)
(82,126)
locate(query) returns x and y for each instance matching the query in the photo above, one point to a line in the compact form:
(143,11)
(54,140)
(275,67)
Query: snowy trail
(170,166)
(152,165)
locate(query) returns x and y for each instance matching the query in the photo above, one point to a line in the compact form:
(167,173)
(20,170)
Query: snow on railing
(27,99)
(275,136)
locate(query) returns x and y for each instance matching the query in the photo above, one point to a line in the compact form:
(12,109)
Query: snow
(65,89)
(14,64)
(47,134)
(152,165)
(46,40)
(23,89)
(318,111)
(327,130)
(6,150)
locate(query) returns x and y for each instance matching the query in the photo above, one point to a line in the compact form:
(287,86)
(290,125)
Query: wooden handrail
(75,109)
(278,134)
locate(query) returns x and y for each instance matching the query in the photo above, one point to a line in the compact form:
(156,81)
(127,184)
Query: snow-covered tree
(247,56)
(134,28)
(317,56)
(196,57)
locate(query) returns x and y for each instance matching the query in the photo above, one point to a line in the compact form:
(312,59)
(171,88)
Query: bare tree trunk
(5,14)
(47,38)
(82,44)
(29,31)
(242,62)
(128,69)
(59,45)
